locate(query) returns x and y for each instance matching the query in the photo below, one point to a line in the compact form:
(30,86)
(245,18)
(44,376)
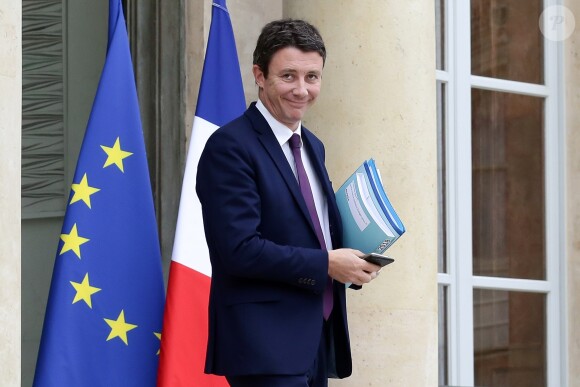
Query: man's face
(293,83)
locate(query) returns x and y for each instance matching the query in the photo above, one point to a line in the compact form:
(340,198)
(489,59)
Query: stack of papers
(370,224)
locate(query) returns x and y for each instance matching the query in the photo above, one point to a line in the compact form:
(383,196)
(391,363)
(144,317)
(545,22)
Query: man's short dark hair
(280,34)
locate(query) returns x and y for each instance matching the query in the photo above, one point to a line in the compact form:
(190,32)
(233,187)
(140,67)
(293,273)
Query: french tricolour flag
(184,336)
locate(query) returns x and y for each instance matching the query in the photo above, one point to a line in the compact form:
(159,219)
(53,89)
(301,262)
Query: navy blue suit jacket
(268,271)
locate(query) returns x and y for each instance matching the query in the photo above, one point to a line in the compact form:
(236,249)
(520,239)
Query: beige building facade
(380,98)
(10,113)
(572,204)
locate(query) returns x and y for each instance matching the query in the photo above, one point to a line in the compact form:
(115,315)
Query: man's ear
(259,77)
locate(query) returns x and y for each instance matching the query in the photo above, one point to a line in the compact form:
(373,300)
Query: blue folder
(370,223)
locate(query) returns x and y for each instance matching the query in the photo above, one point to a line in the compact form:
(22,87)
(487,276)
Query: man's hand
(347,266)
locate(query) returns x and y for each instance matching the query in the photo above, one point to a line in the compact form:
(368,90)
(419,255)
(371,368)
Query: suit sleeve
(231,207)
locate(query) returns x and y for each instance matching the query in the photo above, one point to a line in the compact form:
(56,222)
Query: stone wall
(10,124)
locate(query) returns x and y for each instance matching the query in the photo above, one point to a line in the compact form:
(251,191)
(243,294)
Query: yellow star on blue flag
(84,291)
(97,327)
(115,155)
(119,328)
(72,241)
(82,191)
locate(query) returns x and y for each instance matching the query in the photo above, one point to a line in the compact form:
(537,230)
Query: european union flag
(105,308)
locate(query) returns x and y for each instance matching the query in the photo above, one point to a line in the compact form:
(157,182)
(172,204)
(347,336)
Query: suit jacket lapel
(272,147)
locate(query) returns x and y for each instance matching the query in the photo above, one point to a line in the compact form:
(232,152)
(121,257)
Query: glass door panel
(441,180)
(506,41)
(508,185)
(440,33)
(443,335)
(509,338)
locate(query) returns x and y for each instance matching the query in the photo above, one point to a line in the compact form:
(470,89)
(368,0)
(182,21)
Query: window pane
(509,338)
(440,33)
(508,185)
(443,337)
(441,183)
(506,41)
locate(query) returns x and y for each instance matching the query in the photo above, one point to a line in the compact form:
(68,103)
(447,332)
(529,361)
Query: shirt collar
(281,131)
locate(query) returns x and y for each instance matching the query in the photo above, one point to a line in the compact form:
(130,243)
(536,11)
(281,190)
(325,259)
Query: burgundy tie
(309,199)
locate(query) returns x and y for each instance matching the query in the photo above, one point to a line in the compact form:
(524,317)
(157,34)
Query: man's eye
(313,77)
(287,76)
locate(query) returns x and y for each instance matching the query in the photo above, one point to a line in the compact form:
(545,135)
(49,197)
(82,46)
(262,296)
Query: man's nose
(300,88)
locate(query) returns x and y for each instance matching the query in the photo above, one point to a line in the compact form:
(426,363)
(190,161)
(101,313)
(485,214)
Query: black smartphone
(378,259)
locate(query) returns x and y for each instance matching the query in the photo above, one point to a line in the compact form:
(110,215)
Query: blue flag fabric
(104,314)
(221,93)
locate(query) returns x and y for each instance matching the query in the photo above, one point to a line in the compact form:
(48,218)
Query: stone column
(572,205)
(378,100)
(10,129)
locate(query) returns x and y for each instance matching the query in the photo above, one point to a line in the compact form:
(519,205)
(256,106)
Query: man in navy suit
(277,268)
